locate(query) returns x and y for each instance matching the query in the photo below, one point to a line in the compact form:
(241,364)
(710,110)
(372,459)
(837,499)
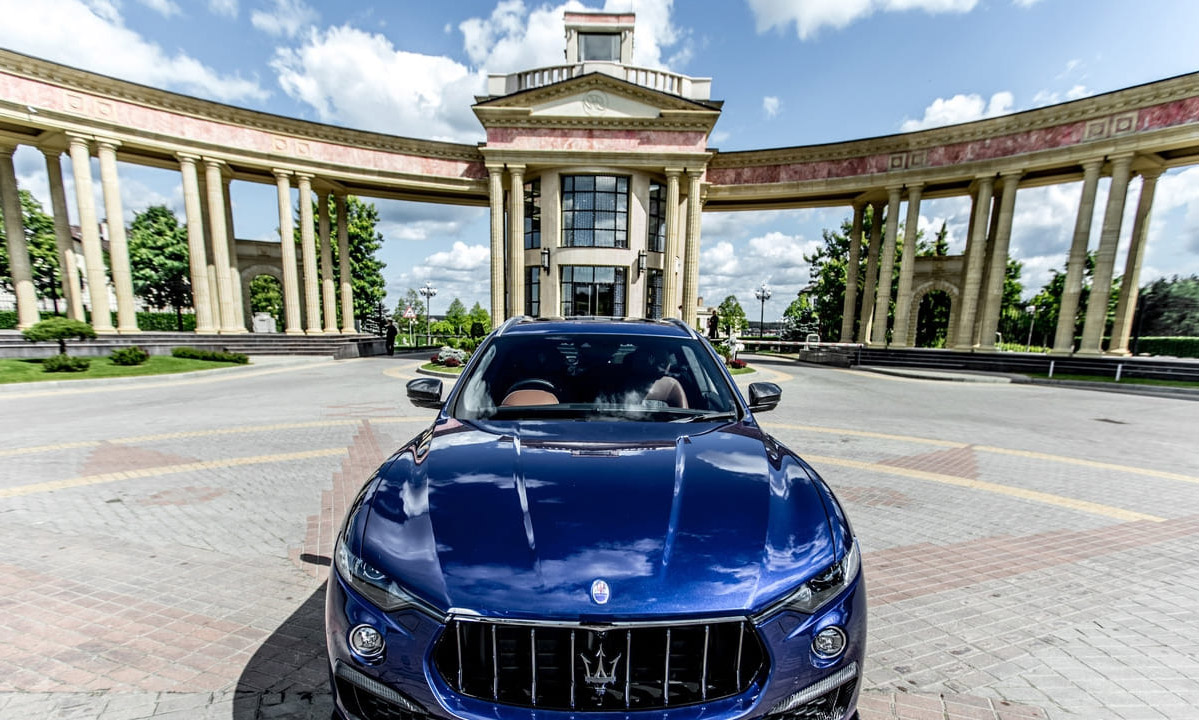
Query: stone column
(328,299)
(984,282)
(975,247)
(68,268)
(495,191)
(993,293)
(671,305)
(850,305)
(1130,285)
(118,247)
(886,270)
(344,266)
(876,231)
(516,241)
(691,252)
(291,280)
(89,228)
(239,310)
(1105,260)
(312,303)
(1063,339)
(220,246)
(197,259)
(214,295)
(14,235)
(907,266)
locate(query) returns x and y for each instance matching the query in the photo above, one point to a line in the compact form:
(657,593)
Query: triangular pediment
(594,97)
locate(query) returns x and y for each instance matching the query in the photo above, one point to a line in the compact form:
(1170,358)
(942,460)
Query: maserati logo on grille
(600,677)
(600,592)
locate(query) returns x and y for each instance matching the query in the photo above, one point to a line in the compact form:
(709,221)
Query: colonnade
(213,267)
(974,317)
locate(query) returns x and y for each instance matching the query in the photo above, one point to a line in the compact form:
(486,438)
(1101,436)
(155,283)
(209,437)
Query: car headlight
(812,595)
(371,583)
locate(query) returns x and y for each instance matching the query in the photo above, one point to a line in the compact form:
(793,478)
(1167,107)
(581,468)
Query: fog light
(829,642)
(366,641)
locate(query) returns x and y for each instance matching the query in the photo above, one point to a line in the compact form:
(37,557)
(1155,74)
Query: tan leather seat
(530,397)
(669,391)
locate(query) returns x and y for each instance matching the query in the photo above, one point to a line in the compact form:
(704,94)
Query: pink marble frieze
(596,140)
(189,129)
(1156,117)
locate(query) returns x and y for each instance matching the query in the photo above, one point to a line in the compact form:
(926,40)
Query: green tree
(411,299)
(366,270)
(798,318)
(42,246)
(158,259)
(732,316)
(59,329)
(480,318)
(932,316)
(1170,307)
(266,295)
(457,316)
(828,272)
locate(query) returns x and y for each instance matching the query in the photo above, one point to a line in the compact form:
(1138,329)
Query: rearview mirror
(764,396)
(425,392)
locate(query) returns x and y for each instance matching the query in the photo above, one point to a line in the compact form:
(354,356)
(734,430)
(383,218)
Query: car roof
(595,326)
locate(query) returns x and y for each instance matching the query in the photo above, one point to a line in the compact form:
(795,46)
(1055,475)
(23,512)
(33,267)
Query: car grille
(641,667)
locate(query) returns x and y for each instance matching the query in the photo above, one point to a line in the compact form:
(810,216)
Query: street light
(1032,311)
(763,294)
(427,292)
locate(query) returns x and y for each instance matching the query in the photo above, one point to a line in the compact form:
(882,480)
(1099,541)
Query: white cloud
(101,43)
(960,109)
(228,8)
(284,18)
(460,272)
(811,15)
(337,72)
(1175,191)
(166,8)
(1052,97)
(776,258)
(770,105)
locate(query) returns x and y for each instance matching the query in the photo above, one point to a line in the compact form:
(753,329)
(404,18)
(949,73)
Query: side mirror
(425,392)
(764,396)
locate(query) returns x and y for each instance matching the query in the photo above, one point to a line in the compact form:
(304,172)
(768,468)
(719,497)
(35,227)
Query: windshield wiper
(707,417)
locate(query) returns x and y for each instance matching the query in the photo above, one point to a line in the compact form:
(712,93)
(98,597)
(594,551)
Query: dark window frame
(589,206)
(572,278)
(532,229)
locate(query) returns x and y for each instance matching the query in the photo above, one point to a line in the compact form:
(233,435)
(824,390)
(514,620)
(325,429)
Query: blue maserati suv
(595,525)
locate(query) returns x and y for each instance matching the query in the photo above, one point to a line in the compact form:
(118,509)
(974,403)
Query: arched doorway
(266,296)
(932,319)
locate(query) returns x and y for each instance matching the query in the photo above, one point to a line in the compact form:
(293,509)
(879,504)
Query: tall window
(653,294)
(533,291)
(600,47)
(533,214)
(590,290)
(595,211)
(656,239)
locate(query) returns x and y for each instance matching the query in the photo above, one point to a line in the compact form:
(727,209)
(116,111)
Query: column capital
(1092,165)
(859,205)
(897,187)
(673,171)
(281,173)
(53,144)
(6,149)
(1150,175)
(515,167)
(914,188)
(494,168)
(188,158)
(210,161)
(107,144)
(302,176)
(1009,174)
(695,172)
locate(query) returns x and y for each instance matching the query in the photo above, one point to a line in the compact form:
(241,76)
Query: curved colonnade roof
(40,101)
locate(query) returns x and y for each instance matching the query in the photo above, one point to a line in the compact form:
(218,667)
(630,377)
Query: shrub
(65,363)
(192,353)
(59,329)
(165,321)
(737,364)
(132,355)
(8,319)
(452,362)
(435,358)
(448,352)
(1171,346)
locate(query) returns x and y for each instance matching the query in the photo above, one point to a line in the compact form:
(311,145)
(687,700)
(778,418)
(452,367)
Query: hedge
(132,355)
(65,363)
(1187,347)
(213,355)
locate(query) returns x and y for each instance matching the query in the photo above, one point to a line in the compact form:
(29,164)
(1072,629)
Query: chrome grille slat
(593,668)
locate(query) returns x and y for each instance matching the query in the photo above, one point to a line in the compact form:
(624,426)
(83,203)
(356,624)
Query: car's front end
(538,566)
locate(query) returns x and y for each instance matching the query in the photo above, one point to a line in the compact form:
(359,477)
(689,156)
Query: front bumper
(403,684)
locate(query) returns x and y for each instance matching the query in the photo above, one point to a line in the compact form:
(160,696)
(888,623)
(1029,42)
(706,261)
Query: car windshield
(595,377)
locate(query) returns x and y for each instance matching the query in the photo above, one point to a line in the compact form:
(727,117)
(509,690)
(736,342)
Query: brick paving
(167,544)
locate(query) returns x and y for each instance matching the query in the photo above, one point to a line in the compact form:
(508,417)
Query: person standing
(390,335)
(713,325)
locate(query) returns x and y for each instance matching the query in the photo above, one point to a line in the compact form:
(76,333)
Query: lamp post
(427,292)
(1032,312)
(762,294)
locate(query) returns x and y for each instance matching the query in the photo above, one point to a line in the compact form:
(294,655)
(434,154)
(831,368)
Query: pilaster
(72,291)
(516,240)
(328,299)
(1130,285)
(672,263)
(344,266)
(495,191)
(993,293)
(691,252)
(976,246)
(312,304)
(220,246)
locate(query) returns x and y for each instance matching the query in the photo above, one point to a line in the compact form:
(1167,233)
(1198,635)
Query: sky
(790,72)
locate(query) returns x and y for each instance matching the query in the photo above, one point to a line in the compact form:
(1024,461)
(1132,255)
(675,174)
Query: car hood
(516,520)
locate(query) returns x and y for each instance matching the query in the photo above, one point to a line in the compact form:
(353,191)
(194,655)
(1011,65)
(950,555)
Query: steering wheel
(533,384)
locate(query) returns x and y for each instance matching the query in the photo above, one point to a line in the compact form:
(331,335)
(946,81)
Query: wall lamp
(545,260)
(641,260)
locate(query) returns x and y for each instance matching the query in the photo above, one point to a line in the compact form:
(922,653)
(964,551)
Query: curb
(21,387)
(1161,391)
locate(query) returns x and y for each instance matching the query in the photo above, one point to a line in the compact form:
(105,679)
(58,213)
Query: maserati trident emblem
(600,592)
(601,677)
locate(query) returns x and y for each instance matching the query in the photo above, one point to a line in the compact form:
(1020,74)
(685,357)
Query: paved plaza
(1029,550)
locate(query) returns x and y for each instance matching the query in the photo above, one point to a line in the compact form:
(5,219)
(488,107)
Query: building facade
(596,173)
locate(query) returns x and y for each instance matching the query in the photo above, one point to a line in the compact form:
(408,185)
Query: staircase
(13,345)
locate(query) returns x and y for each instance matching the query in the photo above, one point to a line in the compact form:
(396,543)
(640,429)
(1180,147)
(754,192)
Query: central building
(595,179)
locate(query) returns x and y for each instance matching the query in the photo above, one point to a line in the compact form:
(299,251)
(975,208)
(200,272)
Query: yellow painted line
(87,480)
(1021,493)
(866,434)
(1164,474)
(48,448)
(220,377)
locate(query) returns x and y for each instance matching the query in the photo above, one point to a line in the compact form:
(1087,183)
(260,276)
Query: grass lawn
(15,370)
(741,371)
(442,368)
(1123,381)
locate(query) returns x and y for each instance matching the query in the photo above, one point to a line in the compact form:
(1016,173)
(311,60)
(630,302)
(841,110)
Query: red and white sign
(409,313)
